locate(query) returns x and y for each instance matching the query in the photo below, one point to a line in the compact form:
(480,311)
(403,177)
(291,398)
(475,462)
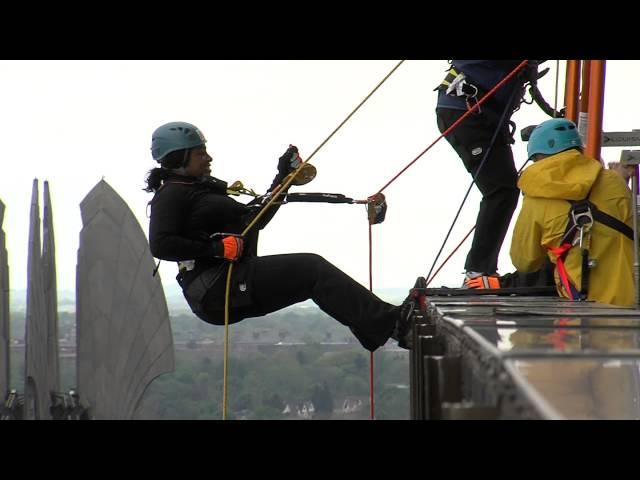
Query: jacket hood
(568,175)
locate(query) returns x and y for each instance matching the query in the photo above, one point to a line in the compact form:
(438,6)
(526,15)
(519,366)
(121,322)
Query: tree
(274,401)
(205,363)
(301,357)
(360,362)
(322,399)
(283,334)
(243,402)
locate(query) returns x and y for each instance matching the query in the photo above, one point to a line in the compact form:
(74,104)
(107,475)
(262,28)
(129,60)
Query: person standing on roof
(561,177)
(195,223)
(467,81)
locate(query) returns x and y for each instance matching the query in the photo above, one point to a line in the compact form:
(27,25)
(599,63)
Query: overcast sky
(75,122)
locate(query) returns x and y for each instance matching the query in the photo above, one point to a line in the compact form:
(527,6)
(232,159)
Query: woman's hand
(288,162)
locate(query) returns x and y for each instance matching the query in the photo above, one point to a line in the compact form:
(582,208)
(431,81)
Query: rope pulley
(303,175)
(376,208)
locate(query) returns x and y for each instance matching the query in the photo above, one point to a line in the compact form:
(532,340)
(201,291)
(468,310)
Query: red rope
(450,255)
(457,122)
(463,240)
(446,132)
(562,271)
(371,395)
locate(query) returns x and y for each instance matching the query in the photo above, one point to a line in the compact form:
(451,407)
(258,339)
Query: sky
(75,122)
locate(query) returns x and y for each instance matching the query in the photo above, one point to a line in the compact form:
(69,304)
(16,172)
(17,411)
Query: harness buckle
(582,216)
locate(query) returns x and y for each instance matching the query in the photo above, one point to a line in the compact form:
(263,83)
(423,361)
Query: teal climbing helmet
(553,136)
(175,136)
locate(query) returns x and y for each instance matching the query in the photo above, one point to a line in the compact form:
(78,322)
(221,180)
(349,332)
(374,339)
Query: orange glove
(233,247)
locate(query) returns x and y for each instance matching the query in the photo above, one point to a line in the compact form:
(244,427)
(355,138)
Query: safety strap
(313,197)
(561,253)
(611,222)
(581,214)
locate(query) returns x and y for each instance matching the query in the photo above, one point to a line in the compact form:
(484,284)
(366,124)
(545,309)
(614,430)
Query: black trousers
(497,181)
(541,278)
(276,281)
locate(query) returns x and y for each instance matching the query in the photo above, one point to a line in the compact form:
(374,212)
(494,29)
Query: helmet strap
(185,161)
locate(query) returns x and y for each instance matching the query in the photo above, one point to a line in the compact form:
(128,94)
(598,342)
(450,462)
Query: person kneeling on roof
(578,215)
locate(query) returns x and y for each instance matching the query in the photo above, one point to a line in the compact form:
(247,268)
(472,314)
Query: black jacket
(186,211)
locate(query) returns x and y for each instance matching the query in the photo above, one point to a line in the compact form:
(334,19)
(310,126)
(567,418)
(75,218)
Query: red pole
(596,108)
(572,86)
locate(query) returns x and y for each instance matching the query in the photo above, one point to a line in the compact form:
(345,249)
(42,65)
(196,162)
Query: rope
(501,124)
(462,241)
(372,413)
(288,182)
(226,343)
(452,127)
(555,109)
(275,193)
(450,255)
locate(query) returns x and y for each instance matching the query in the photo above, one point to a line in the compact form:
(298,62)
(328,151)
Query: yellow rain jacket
(547,185)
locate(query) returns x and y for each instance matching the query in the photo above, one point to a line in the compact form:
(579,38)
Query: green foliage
(262,380)
(322,399)
(261,385)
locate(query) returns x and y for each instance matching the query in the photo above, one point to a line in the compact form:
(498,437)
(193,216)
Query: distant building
(351,405)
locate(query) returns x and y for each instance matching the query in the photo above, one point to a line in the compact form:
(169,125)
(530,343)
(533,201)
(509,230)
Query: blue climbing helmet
(554,136)
(174,136)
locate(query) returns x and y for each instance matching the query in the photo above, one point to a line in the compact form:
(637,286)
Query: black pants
(541,278)
(277,281)
(497,181)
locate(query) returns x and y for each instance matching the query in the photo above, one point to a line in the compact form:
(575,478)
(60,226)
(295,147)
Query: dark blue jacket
(485,74)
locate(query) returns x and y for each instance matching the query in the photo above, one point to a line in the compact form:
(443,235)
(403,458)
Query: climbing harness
(582,215)
(457,84)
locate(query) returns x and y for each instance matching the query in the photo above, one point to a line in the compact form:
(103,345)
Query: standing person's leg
(277,281)
(497,181)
